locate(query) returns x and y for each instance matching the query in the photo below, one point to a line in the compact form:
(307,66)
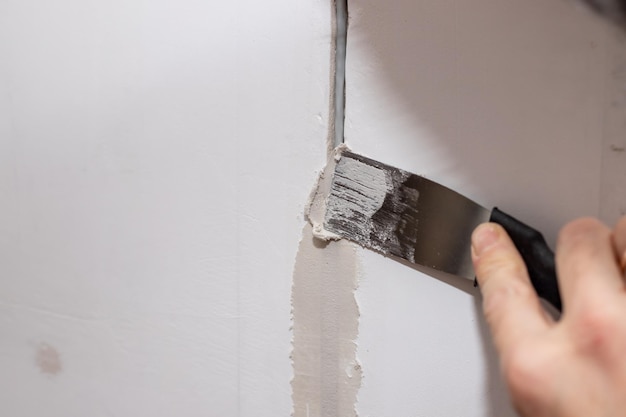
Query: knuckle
(524,370)
(596,327)
(499,295)
(501,263)
(498,298)
(581,245)
(579,229)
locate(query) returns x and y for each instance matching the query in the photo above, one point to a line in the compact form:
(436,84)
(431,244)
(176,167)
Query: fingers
(510,304)
(619,240)
(586,261)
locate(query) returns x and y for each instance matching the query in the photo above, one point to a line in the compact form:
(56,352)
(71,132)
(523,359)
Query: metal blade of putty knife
(407,216)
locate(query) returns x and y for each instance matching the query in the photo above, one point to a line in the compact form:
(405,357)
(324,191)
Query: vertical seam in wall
(325,315)
(340,37)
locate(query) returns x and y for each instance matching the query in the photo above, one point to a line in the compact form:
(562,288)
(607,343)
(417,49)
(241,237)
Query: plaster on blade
(395,213)
(410,217)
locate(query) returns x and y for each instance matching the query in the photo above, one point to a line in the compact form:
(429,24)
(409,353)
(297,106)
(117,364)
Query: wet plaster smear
(327,375)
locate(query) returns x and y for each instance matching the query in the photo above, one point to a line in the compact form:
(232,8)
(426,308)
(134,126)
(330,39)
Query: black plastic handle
(538,257)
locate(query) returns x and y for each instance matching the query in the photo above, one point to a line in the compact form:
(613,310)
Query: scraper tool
(408,216)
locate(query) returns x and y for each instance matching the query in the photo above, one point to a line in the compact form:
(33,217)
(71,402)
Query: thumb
(510,303)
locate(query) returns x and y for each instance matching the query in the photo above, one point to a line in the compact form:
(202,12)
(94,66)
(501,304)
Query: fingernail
(484,236)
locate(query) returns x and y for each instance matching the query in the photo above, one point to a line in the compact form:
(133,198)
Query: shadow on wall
(507,96)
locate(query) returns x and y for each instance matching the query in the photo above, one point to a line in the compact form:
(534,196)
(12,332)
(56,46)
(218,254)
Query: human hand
(574,367)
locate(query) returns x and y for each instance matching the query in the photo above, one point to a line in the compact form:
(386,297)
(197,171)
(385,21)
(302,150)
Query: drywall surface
(155,161)
(327,375)
(503,101)
(613,191)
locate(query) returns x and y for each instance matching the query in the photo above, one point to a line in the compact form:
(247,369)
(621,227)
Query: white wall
(155,158)
(504,101)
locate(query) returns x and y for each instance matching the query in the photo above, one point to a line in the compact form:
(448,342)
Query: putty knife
(410,217)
